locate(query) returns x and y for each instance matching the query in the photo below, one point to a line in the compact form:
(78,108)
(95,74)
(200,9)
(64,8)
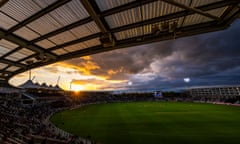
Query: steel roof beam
(93,10)
(39,14)
(9,62)
(94,15)
(185,31)
(143,2)
(195,10)
(86,20)
(102,20)
(108,12)
(205,27)
(76,41)
(11,52)
(2,2)
(2,78)
(171,16)
(151,21)
(229,11)
(5,72)
(154,20)
(124,7)
(66,28)
(230,19)
(25,44)
(28,57)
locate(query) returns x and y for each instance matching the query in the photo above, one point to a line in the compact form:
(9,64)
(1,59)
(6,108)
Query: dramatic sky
(201,60)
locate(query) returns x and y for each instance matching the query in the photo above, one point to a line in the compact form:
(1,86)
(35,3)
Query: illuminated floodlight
(130,83)
(187,80)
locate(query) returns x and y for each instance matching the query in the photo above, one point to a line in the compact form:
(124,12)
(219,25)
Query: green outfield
(153,123)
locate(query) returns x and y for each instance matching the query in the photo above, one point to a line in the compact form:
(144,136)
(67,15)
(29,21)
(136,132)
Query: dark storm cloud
(212,58)
(127,61)
(204,54)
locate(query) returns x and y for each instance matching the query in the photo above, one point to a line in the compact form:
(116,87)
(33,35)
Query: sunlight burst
(76,87)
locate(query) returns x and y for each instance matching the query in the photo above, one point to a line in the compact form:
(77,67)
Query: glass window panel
(12,68)
(109,4)
(92,42)
(3,65)
(195,19)
(44,24)
(20,54)
(6,46)
(6,22)
(149,11)
(26,33)
(3,50)
(63,38)
(85,30)
(69,13)
(75,47)
(44,3)
(20,10)
(60,51)
(26,51)
(197,3)
(45,44)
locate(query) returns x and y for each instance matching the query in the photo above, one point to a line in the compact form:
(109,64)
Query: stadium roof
(34,33)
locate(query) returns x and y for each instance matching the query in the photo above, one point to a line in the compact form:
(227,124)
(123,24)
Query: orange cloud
(86,58)
(112,72)
(84,67)
(93,83)
(87,81)
(70,72)
(89,65)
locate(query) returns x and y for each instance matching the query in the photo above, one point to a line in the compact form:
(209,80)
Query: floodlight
(173,26)
(165,26)
(155,30)
(107,40)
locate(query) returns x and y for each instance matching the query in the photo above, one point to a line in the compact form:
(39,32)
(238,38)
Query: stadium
(111,72)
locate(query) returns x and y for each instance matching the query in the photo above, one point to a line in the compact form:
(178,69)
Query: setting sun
(76,87)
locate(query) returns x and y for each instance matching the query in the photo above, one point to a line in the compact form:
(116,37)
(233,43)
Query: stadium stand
(221,94)
(26,124)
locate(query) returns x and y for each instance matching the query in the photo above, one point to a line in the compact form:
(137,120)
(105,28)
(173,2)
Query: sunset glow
(75,87)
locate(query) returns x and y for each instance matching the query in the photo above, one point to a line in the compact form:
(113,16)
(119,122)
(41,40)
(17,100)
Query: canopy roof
(30,85)
(34,33)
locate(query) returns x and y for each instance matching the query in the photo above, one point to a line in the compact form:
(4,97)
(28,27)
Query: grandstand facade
(216,92)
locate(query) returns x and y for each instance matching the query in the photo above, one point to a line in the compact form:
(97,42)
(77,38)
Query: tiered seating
(20,125)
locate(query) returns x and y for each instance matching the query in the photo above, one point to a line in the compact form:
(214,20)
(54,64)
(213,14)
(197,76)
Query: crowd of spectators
(23,125)
(28,124)
(107,97)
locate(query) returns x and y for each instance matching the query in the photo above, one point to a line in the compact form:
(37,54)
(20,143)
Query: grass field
(153,123)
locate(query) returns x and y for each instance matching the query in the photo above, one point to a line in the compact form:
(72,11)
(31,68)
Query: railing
(63,133)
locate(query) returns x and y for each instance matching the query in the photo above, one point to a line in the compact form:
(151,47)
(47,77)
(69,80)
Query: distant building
(158,94)
(35,93)
(216,92)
